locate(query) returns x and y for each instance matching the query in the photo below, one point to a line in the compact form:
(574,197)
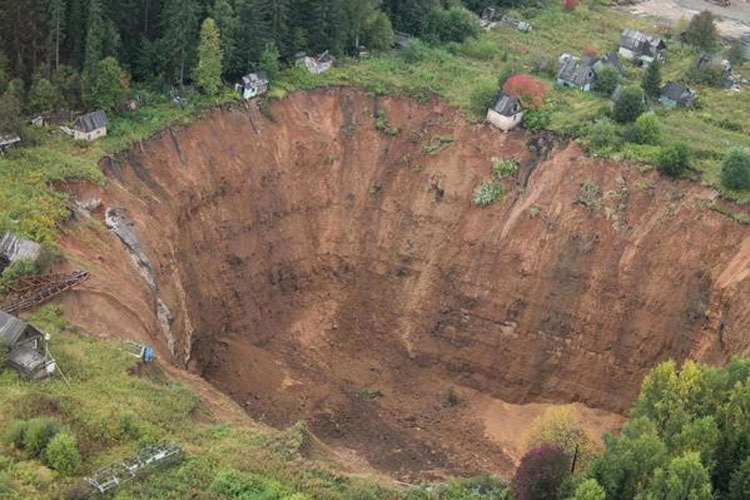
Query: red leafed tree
(530,91)
(591,52)
(540,473)
(570,5)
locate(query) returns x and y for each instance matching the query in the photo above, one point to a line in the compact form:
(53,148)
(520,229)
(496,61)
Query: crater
(315,268)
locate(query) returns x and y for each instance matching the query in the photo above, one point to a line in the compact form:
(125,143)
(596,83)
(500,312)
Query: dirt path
(733,20)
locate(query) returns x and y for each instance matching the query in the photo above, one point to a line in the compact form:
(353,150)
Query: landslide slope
(316,267)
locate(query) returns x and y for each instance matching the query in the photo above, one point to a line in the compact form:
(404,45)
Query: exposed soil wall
(316,268)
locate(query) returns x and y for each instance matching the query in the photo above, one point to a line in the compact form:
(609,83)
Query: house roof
(576,72)
(9,139)
(507,105)
(674,91)
(11,328)
(611,59)
(255,79)
(637,41)
(91,121)
(26,358)
(15,248)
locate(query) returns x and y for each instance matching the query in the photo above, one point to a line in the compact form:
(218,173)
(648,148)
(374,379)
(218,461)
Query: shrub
(570,5)
(62,454)
(504,168)
(488,193)
(234,484)
(14,434)
(735,169)
(530,91)
(540,473)
(735,54)
(607,80)
(454,24)
(674,159)
(416,51)
(482,97)
(508,71)
(535,120)
(451,397)
(590,490)
(701,32)
(645,130)
(629,106)
(38,433)
(591,52)
(127,426)
(603,134)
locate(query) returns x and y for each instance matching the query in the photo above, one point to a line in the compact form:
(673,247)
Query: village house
(7,141)
(575,73)
(90,126)
(641,49)
(612,60)
(673,95)
(27,348)
(316,65)
(506,113)
(253,84)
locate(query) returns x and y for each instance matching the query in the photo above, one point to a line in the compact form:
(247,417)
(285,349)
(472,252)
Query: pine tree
(227,22)
(56,10)
(651,82)
(181,19)
(209,68)
(278,22)
(95,33)
(269,60)
(108,86)
(253,30)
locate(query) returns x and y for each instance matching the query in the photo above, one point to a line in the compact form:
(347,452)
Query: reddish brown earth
(312,261)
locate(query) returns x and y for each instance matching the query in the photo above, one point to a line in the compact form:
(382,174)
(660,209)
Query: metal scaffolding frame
(146,459)
(29,292)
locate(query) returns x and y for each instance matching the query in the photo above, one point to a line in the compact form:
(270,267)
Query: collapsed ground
(317,265)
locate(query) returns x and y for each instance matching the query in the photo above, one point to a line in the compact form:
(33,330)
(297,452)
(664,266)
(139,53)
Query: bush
(701,32)
(607,80)
(504,168)
(482,97)
(535,120)
(674,159)
(570,5)
(14,434)
(540,473)
(127,426)
(508,71)
(645,130)
(416,51)
(735,169)
(38,433)
(629,106)
(530,91)
(603,134)
(488,193)
(62,454)
(590,490)
(454,24)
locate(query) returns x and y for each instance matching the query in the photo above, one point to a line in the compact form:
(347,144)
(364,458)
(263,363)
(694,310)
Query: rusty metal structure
(29,292)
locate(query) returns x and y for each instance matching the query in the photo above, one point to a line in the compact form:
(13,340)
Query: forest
(58,55)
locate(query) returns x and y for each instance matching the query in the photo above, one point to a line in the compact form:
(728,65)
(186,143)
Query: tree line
(74,54)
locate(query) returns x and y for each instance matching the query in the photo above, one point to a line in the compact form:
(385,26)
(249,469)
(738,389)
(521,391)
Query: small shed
(577,74)
(27,347)
(673,95)
(90,126)
(7,141)
(253,84)
(640,48)
(506,113)
(316,65)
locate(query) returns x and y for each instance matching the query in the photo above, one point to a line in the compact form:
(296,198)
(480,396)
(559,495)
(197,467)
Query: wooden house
(90,126)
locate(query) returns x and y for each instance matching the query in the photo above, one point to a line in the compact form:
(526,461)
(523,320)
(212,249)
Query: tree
(672,161)
(43,96)
(95,33)
(378,32)
(357,12)
(540,473)
(590,490)
(735,169)
(629,105)
(62,454)
(530,91)
(561,427)
(736,54)
(209,68)
(228,24)
(10,114)
(739,485)
(56,10)
(4,72)
(454,24)
(701,32)
(181,20)
(651,82)
(685,478)
(607,81)
(253,31)
(107,86)
(269,60)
